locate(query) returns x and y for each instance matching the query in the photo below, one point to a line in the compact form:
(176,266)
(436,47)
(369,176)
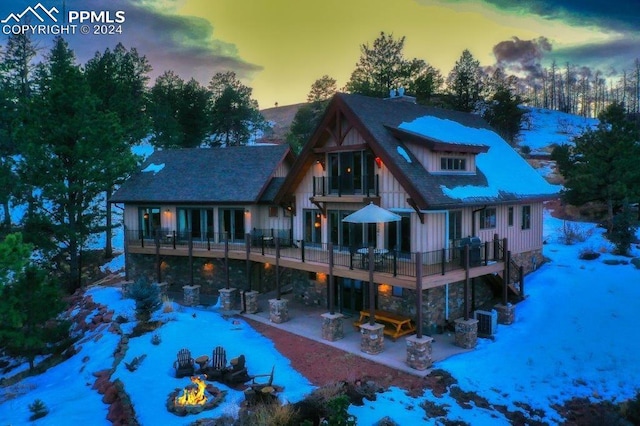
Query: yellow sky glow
(297,41)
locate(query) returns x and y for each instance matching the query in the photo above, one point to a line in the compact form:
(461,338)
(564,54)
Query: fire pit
(194,398)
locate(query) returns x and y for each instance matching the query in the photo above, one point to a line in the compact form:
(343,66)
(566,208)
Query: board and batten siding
(519,240)
(431,160)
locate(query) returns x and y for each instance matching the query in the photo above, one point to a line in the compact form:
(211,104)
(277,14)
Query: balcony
(393,267)
(354,188)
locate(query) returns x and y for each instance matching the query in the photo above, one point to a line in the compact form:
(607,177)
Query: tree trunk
(108,246)
(7,214)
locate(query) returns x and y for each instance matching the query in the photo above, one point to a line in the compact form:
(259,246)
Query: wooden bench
(394,325)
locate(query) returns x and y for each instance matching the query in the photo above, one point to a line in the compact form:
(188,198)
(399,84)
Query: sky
(280,47)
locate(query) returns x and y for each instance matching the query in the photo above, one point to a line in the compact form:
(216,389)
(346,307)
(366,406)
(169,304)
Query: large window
(197,221)
(399,234)
(455,225)
(510,216)
(312,226)
(350,235)
(232,223)
(351,172)
(149,218)
(488,218)
(526,217)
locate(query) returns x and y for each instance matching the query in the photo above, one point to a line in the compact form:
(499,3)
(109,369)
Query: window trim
(484,218)
(453,164)
(526,217)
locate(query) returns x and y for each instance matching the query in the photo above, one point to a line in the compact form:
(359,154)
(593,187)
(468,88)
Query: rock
(110,395)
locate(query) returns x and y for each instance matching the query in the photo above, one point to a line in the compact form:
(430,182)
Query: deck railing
(278,243)
(346,185)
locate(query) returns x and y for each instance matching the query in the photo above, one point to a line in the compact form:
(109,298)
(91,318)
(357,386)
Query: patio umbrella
(371,214)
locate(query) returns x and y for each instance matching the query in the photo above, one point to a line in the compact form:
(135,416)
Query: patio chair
(238,372)
(184,365)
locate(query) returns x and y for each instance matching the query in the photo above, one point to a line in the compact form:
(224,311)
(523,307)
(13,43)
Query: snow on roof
(404,154)
(155,168)
(506,171)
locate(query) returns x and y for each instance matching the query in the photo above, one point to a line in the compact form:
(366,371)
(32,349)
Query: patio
(306,321)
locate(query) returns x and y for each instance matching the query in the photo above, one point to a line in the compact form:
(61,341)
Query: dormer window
(453,164)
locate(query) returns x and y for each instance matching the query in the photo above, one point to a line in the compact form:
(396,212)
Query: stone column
(162,289)
(191,295)
(332,327)
(506,313)
(419,352)
(372,338)
(278,310)
(126,287)
(251,301)
(466,333)
(227,299)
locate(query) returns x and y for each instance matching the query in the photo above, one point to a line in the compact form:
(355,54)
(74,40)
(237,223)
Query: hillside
(280,119)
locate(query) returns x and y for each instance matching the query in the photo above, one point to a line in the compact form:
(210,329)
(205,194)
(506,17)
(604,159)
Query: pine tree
(503,112)
(234,115)
(28,309)
(118,78)
(464,83)
(322,89)
(72,152)
(603,164)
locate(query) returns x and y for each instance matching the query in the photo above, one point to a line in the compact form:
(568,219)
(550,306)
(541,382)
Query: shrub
(587,253)
(155,339)
(167,304)
(272,415)
(38,409)
(631,409)
(147,298)
(571,233)
(338,414)
(623,231)
(636,262)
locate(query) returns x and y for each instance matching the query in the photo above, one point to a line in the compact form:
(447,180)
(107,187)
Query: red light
(378,161)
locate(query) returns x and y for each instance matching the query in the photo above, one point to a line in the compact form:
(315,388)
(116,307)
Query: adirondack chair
(184,365)
(218,364)
(238,372)
(260,392)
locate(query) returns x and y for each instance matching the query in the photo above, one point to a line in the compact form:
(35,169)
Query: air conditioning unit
(487,322)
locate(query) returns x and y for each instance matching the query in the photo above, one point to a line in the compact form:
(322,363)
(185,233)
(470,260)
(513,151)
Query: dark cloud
(518,55)
(611,57)
(186,45)
(618,15)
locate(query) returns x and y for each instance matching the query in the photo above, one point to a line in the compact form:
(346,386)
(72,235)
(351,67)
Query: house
(470,208)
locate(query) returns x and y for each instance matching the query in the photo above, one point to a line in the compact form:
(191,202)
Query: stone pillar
(191,295)
(126,287)
(419,352)
(466,333)
(506,313)
(372,338)
(250,302)
(227,298)
(332,327)
(163,287)
(278,310)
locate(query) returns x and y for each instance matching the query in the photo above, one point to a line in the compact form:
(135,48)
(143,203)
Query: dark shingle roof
(380,116)
(204,175)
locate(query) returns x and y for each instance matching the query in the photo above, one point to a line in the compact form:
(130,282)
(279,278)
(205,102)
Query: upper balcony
(346,188)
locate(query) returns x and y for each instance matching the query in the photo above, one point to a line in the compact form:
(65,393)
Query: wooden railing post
(302,250)
(247,247)
(158,268)
(496,248)
(418,295)
(505,249)
(507,278)
(262,244)
(278,293)
(174,239)
(521,279)
(442,261)
(226,259)
(395,262)
(466,282)
(190,245)
(208,242)
(486,253)
(330,286)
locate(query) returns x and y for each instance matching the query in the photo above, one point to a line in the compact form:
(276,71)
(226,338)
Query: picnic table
(394,325)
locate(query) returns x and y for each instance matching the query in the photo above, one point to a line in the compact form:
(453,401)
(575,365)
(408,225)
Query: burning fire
(193,395)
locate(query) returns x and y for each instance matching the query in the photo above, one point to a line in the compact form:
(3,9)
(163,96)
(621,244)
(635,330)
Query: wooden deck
(399,272)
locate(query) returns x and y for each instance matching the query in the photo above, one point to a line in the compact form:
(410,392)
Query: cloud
(518,55)
(611,57)
(184,44)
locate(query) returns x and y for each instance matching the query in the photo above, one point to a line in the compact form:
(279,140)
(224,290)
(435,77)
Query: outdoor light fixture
(146,215)
(378,161)
(167,211)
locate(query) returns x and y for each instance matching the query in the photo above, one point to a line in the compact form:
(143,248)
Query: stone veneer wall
(209,274)
(530,260)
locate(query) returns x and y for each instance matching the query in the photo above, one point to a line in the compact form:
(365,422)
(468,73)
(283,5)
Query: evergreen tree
(623,230)
(179,112)
(28,309)
(14,257)
(381,67)
(118,78)
(72,152)
(464,83)
(308,116)
(424,80)
(603,164)
(503,112)
(147,298)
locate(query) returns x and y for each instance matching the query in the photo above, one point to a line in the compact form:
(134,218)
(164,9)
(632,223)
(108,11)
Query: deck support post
(190,244)
(278,292)
(372,293)
(466,282)
(158,267)
(419,352)
(330,286)
(418,296)
(247,245)
(226,259)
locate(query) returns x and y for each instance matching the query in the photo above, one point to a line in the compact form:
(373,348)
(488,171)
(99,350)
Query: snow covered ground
(573,337)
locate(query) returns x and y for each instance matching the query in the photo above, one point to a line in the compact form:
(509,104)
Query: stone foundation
(466,333)
(191,295)
(227,299)
(250,302)
(332,328)
(530,260)
(419,352)
(278,310)
(506,313)
(372,338)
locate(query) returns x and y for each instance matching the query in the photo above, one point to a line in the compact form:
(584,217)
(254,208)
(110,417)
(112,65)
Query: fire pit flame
(193,395)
